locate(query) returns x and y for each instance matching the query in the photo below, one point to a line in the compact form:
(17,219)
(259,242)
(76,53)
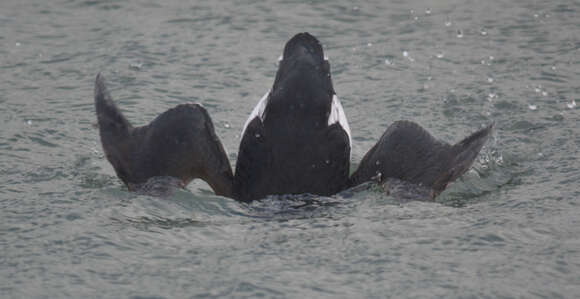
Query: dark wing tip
(101,92)
(107,112)
(479,137)
(99,80)
(464,154)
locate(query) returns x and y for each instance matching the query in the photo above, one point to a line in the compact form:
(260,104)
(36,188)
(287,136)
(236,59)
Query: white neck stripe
(258,111)
(337,115)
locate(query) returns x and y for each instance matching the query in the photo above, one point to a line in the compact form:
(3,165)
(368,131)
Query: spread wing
(408,152)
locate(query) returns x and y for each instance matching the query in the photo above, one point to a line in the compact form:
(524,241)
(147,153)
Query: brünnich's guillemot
(296,140)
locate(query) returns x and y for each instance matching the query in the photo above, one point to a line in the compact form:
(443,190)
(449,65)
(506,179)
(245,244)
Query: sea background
(509,228)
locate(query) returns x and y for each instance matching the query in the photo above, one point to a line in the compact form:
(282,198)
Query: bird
(296,140)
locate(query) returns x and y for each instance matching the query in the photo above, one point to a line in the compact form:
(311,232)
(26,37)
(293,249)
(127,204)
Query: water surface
(508,229)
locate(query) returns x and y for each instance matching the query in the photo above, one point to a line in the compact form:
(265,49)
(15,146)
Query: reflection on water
(507,228)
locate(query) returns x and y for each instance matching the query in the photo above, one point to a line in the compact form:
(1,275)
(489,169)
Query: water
(509,228)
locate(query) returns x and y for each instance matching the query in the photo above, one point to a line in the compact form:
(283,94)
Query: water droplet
(136,65)
(18,44)
(227,125)
(459,33)
(388,61)
(572,104)
(532,107)
(491,58)
(553,68)
(491,96)
(440,55)
(378,163)
(537,90)
(490,79)
(405,53)
(544,93)
(540,154)
(499,160)
(428,11)
(483,31)
(258,135)
(29,122)
(536,15)
(448,23)
(377,177)
(369,44)
(327,161)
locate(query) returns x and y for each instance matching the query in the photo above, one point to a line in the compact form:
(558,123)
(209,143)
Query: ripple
(507,228)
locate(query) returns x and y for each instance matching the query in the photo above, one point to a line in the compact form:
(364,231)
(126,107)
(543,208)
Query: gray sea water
(510,228)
